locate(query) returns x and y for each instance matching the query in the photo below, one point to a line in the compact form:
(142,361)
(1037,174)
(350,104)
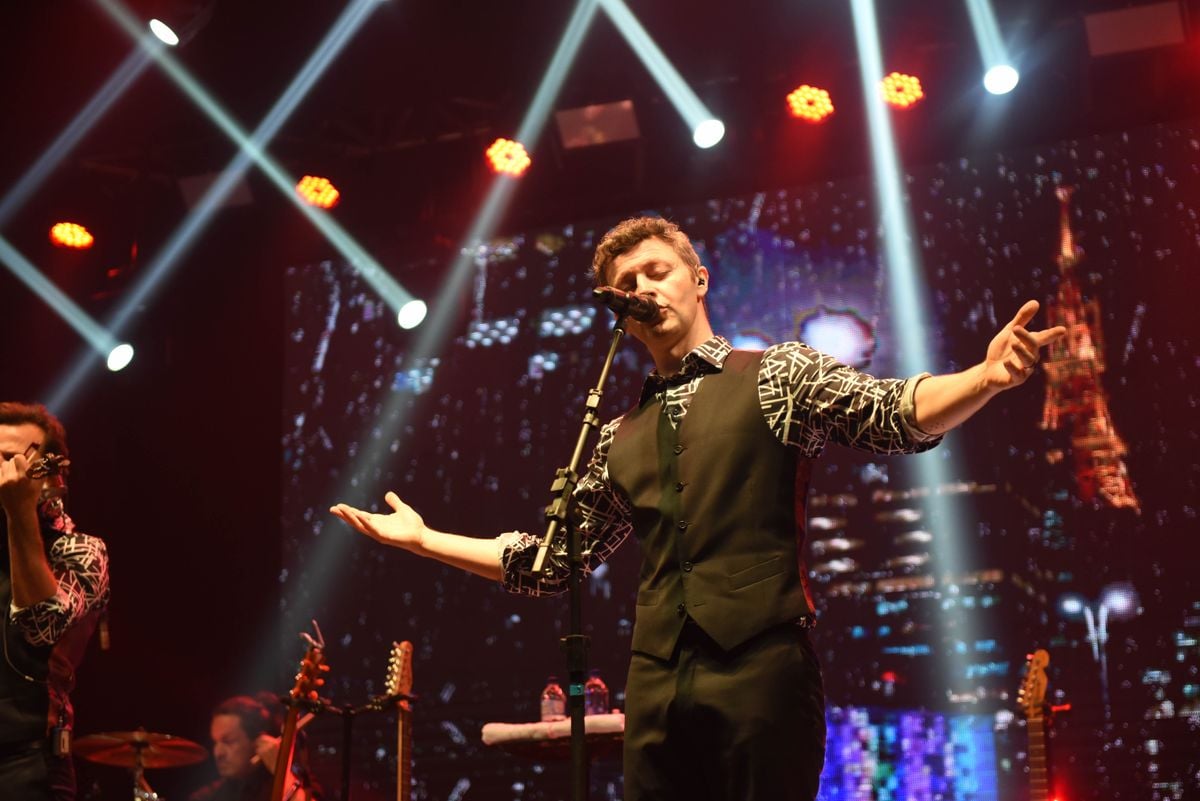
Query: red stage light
(71,235)
(509,157)
(901,90)
(317,191)
(810,103)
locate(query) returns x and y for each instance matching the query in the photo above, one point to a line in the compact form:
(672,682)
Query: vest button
(687,567)
(683,524)
(679,486)
(678,449)
(681,609)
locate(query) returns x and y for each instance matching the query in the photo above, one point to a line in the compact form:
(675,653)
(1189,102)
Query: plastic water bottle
(595,695)
(554,701)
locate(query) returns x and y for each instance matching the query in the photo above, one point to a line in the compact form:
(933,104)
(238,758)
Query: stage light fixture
(318,191)
(508,157)
(810,103)
(1001,79)
(165,33)
(900,90)
(71,235)
(120,357)
(708,132)
(251,149)
(706,129)
(411,314)
(178,21)
(1000,75)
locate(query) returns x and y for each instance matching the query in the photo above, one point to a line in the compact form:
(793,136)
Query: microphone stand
(557,517)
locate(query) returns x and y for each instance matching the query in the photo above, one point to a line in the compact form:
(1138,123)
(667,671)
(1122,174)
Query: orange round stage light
(317,191)
(71,235)
(508,157)
(810,103)
(900,90)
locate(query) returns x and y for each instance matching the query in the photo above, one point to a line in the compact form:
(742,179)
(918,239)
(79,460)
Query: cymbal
(121,749)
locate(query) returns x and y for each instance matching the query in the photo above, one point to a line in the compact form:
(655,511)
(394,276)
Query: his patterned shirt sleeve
(809,398)
(80,566)
(604,520)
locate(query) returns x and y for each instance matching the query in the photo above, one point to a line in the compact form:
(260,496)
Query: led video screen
(1071,501)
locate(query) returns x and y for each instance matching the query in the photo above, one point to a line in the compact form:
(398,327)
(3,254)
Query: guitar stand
(347,712)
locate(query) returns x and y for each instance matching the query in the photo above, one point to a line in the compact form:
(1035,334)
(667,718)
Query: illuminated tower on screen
(1074,392)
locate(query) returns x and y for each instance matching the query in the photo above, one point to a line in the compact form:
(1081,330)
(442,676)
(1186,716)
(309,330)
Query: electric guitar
(1032,699)
(310,677)
(399,685)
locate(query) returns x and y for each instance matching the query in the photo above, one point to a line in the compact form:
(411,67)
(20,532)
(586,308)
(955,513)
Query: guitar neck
(287,747)
(403,752)
(1039,772)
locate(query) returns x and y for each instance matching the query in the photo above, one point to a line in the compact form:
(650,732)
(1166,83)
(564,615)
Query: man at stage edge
(710,472)
(53,586)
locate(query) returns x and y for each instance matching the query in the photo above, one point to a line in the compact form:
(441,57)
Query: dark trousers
(710,725)
(29,772)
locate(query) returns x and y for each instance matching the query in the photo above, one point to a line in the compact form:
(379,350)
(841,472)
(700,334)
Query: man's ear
(702,280)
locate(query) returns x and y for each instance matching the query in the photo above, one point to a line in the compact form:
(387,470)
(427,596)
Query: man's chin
(654,331)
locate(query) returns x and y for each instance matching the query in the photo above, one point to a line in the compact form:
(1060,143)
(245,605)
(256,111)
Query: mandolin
(304,692)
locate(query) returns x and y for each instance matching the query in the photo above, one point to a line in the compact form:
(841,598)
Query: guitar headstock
(312,671)
(1032,695)
(399,674)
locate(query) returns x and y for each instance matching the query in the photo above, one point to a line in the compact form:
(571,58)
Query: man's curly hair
(15,414)
(628,234)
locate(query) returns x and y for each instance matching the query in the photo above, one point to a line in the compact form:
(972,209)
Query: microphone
(628,304)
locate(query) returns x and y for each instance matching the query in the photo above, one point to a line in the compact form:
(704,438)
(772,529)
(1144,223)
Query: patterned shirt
(80,566)
(808,398)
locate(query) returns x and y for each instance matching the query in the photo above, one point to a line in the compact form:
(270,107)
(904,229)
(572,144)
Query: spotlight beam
(910,316)
(436,330)
(689,106)
(470,256)
(897,233)
(92,332)
(361,483)
(88,116)
(251,149)
(987,34)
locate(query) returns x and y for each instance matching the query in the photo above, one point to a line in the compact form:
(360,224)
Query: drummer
(245,750)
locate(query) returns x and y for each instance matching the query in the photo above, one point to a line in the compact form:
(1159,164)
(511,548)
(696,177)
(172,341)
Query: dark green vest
(718,508)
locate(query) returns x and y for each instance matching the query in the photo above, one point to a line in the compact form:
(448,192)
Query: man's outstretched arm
(945,401)
(405,529)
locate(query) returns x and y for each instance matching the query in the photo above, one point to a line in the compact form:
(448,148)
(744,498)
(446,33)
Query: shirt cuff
(504,542)
(48,603)
(908,410)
